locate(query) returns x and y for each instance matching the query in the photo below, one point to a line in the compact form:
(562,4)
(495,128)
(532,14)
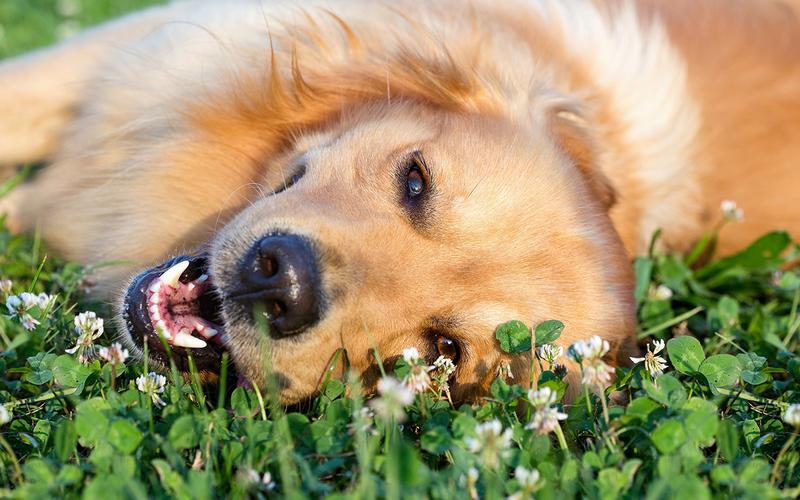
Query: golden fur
(561,134)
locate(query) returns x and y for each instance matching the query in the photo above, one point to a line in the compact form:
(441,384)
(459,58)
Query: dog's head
(395,226)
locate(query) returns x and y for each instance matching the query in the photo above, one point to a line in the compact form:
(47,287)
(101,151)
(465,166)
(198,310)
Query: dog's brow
(401,152)
(447,323)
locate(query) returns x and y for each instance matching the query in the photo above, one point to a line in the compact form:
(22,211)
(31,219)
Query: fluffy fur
(561,134)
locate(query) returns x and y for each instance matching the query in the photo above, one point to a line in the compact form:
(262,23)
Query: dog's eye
(448,348)
(416,181)
(291,181)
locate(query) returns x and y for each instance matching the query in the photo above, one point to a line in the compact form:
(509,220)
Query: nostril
(269,266)
(277,309)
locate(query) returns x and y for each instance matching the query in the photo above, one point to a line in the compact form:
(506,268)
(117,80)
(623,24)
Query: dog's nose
(281,274)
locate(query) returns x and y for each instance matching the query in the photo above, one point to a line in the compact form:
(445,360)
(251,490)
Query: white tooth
(199,326)
(210,332)
(155,314)
(153,308)
(155,286)
(201,279)
(185,339)
(190,286)
(161,329)
(154,299)
(171,275)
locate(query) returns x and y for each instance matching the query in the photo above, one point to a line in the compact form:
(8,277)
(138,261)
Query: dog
(285,180)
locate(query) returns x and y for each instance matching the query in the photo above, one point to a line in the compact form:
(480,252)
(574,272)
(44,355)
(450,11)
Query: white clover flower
(792,415)
(88,327)
(253,479)
(116,354)
(88,323)
(266,482)
(444,366)
(19,305)
(660,292)
(250,475)
(550,352)
(362,420)
(410,355)
(504,371)
(584,350)
(68,8)
(471,480)
(6,286)
(13,304)
(528,482)
(545,418)
(30,300)
(418,379)
(29,322)
(442,369)
(596,373)
(491,442)
(5,415)
(45,301)
(365,413)
(152,384)
(542,397)
(731,211)
(654,365)
(394,397)
(67,29)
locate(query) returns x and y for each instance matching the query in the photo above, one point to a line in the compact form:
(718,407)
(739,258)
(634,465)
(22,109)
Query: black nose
(280,273)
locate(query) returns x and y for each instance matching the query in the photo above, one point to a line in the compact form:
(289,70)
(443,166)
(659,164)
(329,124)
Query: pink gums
(178,308)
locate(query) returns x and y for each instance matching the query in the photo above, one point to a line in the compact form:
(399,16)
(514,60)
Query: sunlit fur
(560,134)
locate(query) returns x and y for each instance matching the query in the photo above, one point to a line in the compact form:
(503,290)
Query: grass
(712,425)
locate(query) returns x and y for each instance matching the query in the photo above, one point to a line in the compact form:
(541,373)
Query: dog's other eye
(448,348)
(291,181)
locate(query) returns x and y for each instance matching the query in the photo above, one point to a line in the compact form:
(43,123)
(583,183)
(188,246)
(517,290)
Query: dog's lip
(140,326)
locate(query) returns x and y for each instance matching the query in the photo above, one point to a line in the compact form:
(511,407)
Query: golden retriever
(398,174)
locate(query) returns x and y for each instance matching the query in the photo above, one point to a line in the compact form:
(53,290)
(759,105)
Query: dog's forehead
(376,132)
(460,147)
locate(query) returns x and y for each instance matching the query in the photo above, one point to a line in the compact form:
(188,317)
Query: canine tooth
(161,328)
(185,339)
(171,275)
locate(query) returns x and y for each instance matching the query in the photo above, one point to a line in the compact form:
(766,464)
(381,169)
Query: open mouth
(177,302)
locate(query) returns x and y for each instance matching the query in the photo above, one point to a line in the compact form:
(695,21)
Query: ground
(719,422)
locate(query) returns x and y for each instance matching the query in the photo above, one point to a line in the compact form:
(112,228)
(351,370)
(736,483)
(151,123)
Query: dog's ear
(40,91)
(574,137)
